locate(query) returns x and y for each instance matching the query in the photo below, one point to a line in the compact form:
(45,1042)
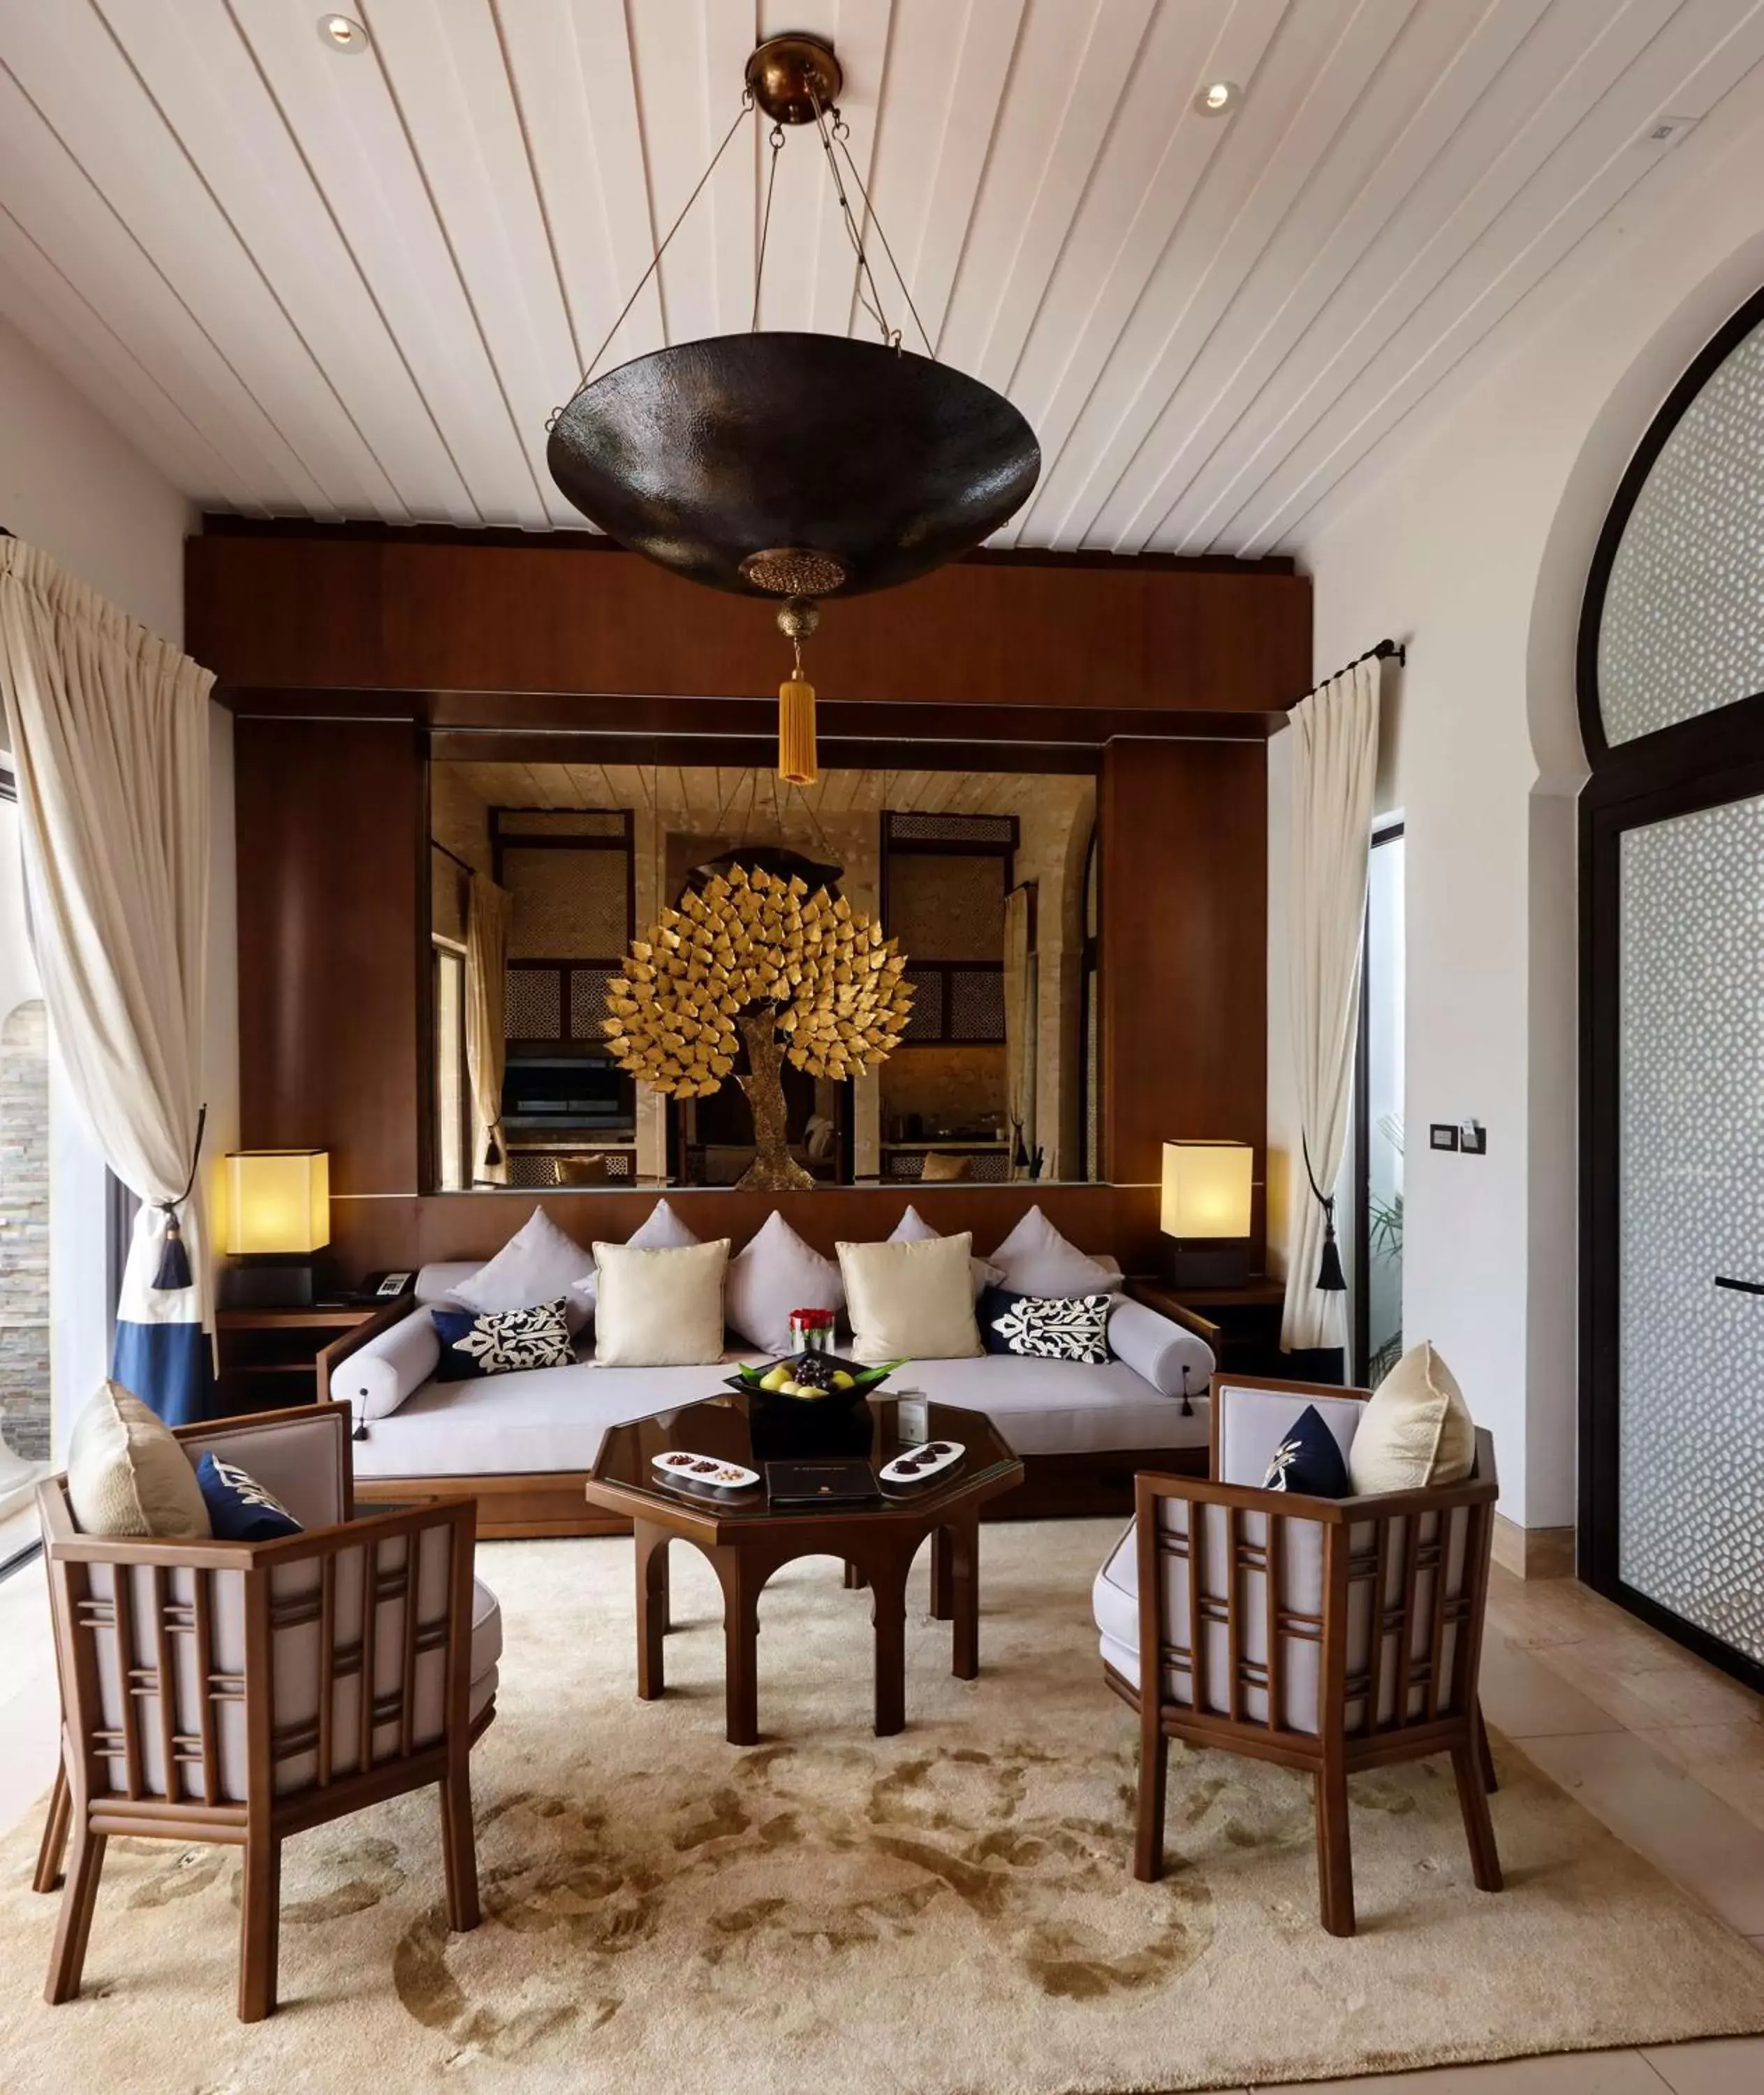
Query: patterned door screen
(1682,629)
(1691,1356)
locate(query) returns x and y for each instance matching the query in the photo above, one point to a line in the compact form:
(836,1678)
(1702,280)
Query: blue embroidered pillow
(1308,1460)
(1044,1327)
(475,1342)
(239,1508)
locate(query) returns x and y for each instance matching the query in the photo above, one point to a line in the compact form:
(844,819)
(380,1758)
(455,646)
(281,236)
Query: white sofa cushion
(1036,1259)
(1061,1407)
(1174,1362)
(375,1380)
(913,1228)
(436,1283)
(660,1309)
(539,1263)
(773,1275)
(662,1229)
(910,1300)
(1415,1429)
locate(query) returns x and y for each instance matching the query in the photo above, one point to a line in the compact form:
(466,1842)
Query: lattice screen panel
(534,1006)
(566,902)
(926,1020)
(946,908)
(1691,1105)
(588,1002)
(1683,628)
(976,1004)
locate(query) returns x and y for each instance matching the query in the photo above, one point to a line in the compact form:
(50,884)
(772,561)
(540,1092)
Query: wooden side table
(267,1358)
(1241,1324)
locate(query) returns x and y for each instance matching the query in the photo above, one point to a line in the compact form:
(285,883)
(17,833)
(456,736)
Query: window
(1376,1242)
(453,1090)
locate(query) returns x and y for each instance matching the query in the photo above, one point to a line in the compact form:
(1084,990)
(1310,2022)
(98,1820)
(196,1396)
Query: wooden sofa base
(521,1508)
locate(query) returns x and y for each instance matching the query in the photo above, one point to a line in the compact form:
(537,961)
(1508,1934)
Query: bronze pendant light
(788,465)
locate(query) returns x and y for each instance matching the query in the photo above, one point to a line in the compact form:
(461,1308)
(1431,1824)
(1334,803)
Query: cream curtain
(486,975)
(109,739)
(1334,765)
(1019,1034)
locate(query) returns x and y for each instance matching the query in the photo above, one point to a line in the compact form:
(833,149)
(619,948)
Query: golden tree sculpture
(756,967)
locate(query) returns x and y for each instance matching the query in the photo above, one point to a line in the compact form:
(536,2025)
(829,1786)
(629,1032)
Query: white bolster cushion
(375,1380)
(1159,1351)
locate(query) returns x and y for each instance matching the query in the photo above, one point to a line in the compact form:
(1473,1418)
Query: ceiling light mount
(793,78)
(342,32)
(1219,98)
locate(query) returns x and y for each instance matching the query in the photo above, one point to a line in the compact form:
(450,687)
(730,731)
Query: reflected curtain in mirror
(486,976)
(1019,1029)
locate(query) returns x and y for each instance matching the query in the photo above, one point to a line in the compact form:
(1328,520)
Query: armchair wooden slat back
(1326,1635)
(238,1692)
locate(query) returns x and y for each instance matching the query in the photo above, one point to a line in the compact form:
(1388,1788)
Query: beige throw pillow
(661,1308)
(128,1475)
(911,1301)
(1416,1429)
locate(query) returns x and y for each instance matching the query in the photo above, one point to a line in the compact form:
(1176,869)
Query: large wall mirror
(541,873)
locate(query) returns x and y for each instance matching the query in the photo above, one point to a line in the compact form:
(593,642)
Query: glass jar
(811,1330)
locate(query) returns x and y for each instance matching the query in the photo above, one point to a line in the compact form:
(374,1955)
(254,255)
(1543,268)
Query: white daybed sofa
(525,1441)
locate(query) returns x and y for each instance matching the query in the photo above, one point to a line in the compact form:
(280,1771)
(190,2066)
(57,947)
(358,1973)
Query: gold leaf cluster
(836,986)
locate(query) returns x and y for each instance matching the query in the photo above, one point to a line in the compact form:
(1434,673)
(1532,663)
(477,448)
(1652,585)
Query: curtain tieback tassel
(173,1271)
(1330,1279)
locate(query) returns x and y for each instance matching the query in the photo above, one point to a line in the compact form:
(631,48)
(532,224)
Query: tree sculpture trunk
(774,1170)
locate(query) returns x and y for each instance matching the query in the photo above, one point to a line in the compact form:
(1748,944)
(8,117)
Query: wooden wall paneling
(334,994)
(1183,830)
(369,1234)
(331,609)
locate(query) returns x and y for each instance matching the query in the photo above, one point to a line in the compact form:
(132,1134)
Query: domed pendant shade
(796,467)
(788,465)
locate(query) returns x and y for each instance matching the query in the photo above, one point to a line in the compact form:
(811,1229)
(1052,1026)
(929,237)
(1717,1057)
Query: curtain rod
(1386,650)
(461,863)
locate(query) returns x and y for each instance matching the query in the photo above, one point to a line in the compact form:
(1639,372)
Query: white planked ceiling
(314,284)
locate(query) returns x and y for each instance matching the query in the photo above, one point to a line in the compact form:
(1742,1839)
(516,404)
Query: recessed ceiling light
(1219,98)
(342,34)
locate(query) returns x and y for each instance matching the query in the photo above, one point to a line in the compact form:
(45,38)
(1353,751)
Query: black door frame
(1706,762)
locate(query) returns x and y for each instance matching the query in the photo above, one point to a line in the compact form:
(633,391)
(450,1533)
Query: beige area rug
(951,1912)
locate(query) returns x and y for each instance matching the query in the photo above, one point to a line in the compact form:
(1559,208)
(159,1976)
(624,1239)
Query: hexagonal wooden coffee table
(747,1538)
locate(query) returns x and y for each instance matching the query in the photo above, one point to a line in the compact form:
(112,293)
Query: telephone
(387,1286)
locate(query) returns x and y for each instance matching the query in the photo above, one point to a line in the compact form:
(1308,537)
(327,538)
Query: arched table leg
(741,1577)
(888,1582)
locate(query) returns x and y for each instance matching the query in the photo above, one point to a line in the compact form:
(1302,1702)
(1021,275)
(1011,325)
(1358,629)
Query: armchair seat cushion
(1115,1603)
(486,1632)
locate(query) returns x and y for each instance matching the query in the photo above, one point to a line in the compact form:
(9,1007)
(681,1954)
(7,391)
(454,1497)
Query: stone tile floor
(1669,1752)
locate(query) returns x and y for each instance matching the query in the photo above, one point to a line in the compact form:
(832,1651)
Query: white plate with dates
(703,1472)
(921,1466)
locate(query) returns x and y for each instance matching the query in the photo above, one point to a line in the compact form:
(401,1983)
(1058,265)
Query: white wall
(71,483)
(1471,543)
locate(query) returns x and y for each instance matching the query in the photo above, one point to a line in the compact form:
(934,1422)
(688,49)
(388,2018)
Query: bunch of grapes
(814,1371)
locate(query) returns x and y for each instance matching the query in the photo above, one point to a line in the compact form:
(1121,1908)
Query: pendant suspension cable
(776,141)
(841,132)
(655,263)
(872,305)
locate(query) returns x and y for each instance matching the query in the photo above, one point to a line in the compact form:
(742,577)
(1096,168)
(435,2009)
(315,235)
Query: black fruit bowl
(865,1381)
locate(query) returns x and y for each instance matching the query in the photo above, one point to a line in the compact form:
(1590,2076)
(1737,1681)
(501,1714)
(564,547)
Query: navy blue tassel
(174,1260)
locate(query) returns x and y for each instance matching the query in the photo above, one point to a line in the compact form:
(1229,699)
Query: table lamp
(1205,1209)
(278,1213)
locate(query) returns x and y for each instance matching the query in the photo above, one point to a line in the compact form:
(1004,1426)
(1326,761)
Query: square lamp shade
(278,1201)
(1205,1207)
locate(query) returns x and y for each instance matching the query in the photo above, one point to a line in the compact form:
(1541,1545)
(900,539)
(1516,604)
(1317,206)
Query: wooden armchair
(1325,1634)
(240,1692)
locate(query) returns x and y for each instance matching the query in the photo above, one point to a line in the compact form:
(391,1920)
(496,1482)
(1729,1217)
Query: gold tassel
(796,764)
